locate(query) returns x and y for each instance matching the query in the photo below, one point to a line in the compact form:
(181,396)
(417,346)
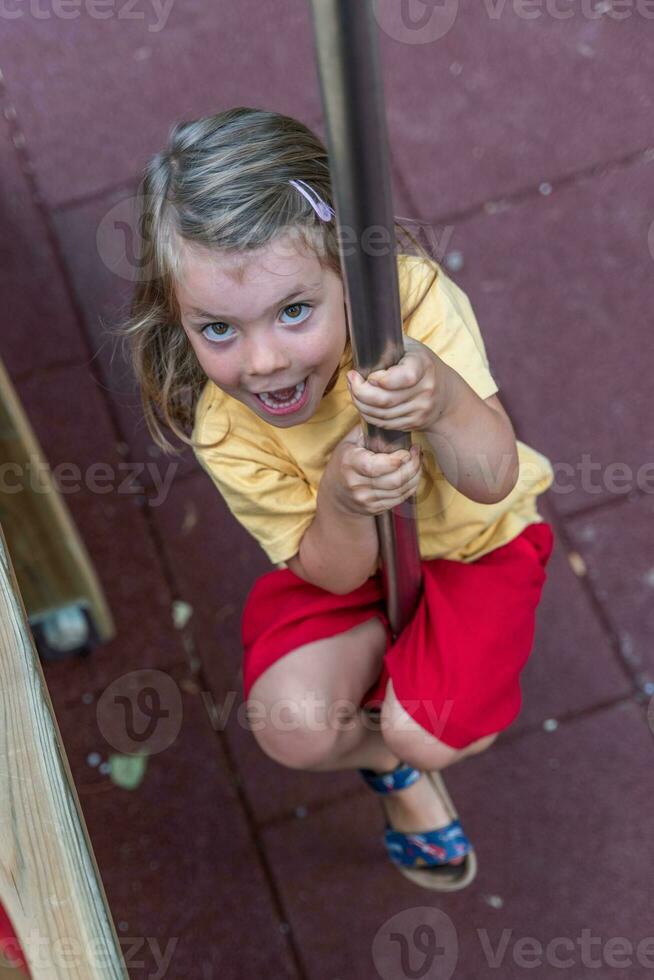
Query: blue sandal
(424,857)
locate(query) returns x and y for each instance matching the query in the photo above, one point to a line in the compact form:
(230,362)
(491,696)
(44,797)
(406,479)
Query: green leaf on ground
(127,771)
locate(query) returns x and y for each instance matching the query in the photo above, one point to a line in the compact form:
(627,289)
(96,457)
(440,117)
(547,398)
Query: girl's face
(265,321)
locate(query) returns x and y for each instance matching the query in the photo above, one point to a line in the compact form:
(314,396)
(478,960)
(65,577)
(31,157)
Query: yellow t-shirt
(269,477)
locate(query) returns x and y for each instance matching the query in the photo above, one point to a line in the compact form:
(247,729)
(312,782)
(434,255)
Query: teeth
(274,403)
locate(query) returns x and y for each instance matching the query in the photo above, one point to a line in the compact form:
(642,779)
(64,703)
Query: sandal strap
(389,782)
(432,847)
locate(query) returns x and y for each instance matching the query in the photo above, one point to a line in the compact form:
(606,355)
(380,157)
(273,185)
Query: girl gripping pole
(239,333)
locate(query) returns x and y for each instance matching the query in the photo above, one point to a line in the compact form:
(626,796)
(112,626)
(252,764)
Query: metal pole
(349,72)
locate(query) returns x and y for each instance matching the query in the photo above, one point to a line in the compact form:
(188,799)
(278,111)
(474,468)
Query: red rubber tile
(214,562)
(112,527)
(572,666)
(485,100)
(175,855)
(616,546)
(38,325)
(560,822)
(559,286)
(96,97)
(105,297)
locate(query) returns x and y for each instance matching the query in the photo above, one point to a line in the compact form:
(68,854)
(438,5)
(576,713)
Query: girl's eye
(215,327)
(297,307)
(216,336)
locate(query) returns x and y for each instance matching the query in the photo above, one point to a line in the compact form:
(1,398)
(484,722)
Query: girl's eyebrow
(302,288)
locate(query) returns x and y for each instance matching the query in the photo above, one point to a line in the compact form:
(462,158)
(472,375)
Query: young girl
(239,330)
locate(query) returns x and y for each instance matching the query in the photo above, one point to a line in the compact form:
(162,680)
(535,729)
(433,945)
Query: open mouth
(285,401)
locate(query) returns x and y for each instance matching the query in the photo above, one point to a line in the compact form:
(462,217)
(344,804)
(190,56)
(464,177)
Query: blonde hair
(221,183)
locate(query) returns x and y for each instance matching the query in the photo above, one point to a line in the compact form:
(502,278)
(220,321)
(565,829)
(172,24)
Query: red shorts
(455,666)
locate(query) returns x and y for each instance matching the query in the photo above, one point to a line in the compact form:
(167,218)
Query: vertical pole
(350,77)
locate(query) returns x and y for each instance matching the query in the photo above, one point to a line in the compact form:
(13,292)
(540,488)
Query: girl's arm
(474,443)
(472,437)
(338,551)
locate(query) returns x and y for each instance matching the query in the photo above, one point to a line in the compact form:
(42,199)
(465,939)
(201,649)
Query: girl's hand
(368,483)
(410,396)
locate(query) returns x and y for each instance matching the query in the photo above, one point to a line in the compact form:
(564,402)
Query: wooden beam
(49,881)
(50,559)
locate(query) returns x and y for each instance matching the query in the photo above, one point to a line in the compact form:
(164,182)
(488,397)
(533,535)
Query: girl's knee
(301,731)
(298,749)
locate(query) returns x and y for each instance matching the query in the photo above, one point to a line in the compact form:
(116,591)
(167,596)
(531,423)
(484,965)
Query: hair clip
(322,209)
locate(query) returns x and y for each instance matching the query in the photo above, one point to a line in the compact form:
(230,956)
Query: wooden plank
(49,881)
(51,562)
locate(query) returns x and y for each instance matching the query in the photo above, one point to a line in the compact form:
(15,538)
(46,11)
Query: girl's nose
(265,360)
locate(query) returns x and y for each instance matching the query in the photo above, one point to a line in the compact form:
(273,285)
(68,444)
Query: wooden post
(49,880)
(52,565)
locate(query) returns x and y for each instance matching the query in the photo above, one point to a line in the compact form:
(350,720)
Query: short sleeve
(266,494)
(445,322)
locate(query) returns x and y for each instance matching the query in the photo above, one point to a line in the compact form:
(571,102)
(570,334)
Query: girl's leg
(319,688)
(308,716)
(307,704)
